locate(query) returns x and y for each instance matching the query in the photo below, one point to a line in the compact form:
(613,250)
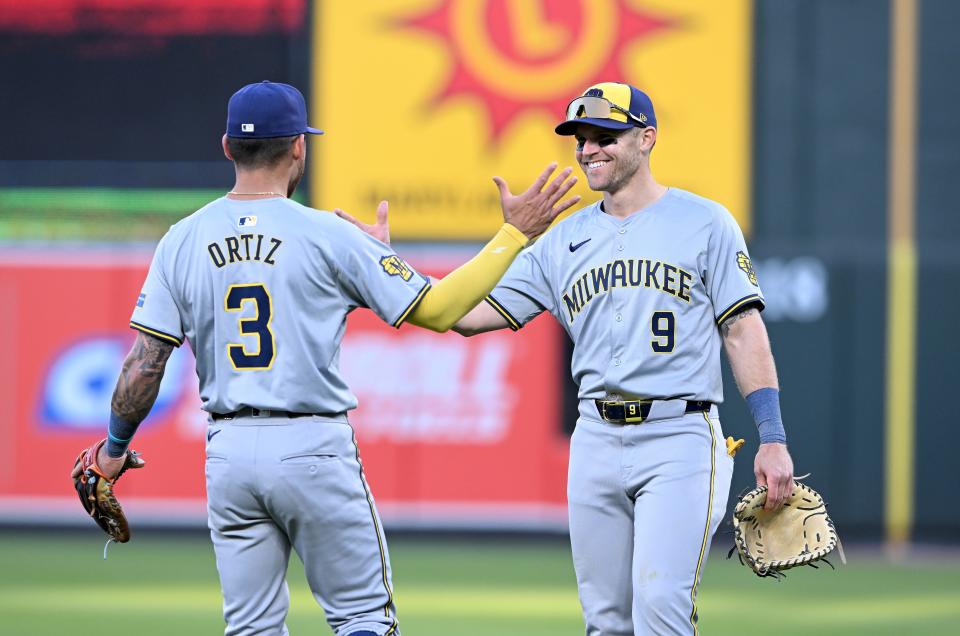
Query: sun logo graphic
(522,55)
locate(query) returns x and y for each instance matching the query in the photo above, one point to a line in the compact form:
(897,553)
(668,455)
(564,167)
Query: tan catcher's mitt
(799,533)
(96,492)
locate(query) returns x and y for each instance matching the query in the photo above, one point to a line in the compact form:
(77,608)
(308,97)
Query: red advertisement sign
(451,430)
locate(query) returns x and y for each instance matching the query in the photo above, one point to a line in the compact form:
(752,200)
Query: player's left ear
(226,150)
(648,139)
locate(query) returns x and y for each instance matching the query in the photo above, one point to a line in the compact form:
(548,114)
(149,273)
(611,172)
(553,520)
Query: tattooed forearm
(139,380)
(728,323)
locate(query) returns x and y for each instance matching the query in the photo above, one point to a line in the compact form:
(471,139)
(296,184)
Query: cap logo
(246,127)
(642,117)
(594,92)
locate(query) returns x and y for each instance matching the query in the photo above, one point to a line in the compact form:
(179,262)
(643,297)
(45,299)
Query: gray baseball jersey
(262,289)
(641,297)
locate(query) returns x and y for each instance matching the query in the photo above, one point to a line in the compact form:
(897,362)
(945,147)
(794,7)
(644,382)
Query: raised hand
(379,230)
(533,211)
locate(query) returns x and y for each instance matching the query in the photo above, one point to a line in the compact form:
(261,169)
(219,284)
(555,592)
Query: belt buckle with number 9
(633,411)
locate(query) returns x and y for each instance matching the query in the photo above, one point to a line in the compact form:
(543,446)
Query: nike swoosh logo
(210,434)
(574,248)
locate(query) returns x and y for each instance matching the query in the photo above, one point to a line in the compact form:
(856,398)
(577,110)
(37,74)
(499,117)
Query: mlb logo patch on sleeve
(246,221)
(141,300)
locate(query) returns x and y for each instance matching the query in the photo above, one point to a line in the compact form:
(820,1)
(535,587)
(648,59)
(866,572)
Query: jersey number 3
(260,358)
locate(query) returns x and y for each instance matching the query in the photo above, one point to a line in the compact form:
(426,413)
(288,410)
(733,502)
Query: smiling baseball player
(648,282)
(261,287)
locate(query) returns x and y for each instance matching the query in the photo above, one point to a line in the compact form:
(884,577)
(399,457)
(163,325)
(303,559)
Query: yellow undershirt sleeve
(464,288)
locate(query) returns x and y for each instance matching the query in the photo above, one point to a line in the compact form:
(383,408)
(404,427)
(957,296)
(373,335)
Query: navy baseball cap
(609,105)
(267,109)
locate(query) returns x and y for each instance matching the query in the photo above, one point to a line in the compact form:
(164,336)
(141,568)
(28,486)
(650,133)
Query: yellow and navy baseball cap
(267,109)
(609,105)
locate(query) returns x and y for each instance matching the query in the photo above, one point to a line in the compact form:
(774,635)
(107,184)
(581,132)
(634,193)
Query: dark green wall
(820,191)
(938,233)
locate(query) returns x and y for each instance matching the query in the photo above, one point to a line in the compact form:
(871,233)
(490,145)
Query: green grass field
(167,584)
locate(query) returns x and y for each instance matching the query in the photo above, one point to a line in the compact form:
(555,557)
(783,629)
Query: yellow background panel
(424,114)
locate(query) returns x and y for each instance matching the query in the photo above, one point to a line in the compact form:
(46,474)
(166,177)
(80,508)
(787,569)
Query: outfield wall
(810,177)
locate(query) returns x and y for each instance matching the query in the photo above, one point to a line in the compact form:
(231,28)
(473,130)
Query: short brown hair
(259,153)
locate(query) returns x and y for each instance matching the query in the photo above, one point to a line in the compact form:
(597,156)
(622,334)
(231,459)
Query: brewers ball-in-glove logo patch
(395,266)
(744,263)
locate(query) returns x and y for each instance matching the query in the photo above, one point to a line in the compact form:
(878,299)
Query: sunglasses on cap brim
(599,108)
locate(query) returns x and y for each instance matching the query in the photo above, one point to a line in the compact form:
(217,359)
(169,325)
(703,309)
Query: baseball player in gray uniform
(261,286)
(648,282)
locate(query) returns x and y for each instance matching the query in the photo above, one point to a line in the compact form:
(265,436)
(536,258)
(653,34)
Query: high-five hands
(534,210)
(531,211)
(379,230)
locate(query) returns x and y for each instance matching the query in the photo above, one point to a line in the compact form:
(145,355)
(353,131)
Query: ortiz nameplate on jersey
(245,247)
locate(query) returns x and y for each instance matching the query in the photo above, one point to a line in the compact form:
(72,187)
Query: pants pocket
(307,458)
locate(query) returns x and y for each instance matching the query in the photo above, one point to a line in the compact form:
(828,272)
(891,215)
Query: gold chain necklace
(255,194)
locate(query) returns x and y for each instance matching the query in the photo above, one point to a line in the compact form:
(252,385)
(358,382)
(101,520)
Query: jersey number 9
(663,328)
(261,358)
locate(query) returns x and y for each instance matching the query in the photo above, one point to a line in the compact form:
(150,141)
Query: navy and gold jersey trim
(388,608)
(412,306)
(512,322)
(752,299)
(157,334)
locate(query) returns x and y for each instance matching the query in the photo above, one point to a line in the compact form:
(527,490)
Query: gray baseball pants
(275,483)
(644,502)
